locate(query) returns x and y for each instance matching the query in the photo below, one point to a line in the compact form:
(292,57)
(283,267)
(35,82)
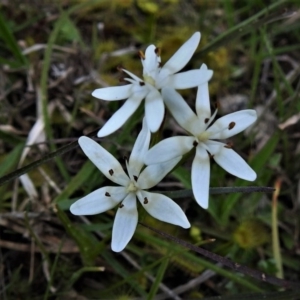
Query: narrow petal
(180,110)
(153,174)
(230,161)
(186,80)
(201,176)
(151,62)
(181,57)
(123,114)
(163,208)
(99,201)
(240,120)
(202,100)
(169,148)
(154,109)
(113,93)
(140,148)
(103,160)
(125,223)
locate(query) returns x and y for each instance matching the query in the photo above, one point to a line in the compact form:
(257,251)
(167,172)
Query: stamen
(217,105)
(142,83)
(159,64)
(120,68)
(228,146)
(146,200)
(206,120)
(135,177)
(231,125)
(142,55)
(121,205)
(122,79)
(107,194)
(195,143)
(111,172)
(157,51)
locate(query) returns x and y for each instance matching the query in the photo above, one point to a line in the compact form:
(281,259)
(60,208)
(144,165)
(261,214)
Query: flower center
(149,79)
(203,137)
(132,188)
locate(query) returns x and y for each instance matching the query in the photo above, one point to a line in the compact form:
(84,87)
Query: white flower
(201,139)
(155,78)
(157,205)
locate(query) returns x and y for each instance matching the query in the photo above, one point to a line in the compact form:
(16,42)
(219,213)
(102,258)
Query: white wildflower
(202,138)
(130,187)
(154,79)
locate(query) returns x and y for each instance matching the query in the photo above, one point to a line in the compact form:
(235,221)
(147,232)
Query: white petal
(241,119)
(113,93)
(140,148)
(180,110)
(154,109)
(123,114)
(163,208)
(99,201)
(103,160)
(153,174)
(151,62)
(185,80)
(202,101)
(230,161)
(181,57)
(201,176)
(169,148)
(125,223)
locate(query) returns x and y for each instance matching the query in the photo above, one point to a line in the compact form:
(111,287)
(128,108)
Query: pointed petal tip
(100,134)
(83,139)
(252,176)
(186,225)
(202,203)
(203,67)
(196,35)
(74,210)
(116,247)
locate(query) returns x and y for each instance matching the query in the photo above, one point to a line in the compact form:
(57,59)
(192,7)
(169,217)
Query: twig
(228,263)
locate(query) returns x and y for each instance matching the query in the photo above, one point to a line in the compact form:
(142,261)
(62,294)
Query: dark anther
(157,51)
(122,79)
(206,120)
(145,200)
(125,157)
(121,205)
(107,194)
(195,143)
(217,105)
(111,172)
(231,125)
(160,65)
(135,177)
(228,146)
(142,83)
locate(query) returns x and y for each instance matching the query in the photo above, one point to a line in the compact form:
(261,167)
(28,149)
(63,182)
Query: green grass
(45,251)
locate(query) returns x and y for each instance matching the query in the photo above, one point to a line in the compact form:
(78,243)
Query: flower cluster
(158,88)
